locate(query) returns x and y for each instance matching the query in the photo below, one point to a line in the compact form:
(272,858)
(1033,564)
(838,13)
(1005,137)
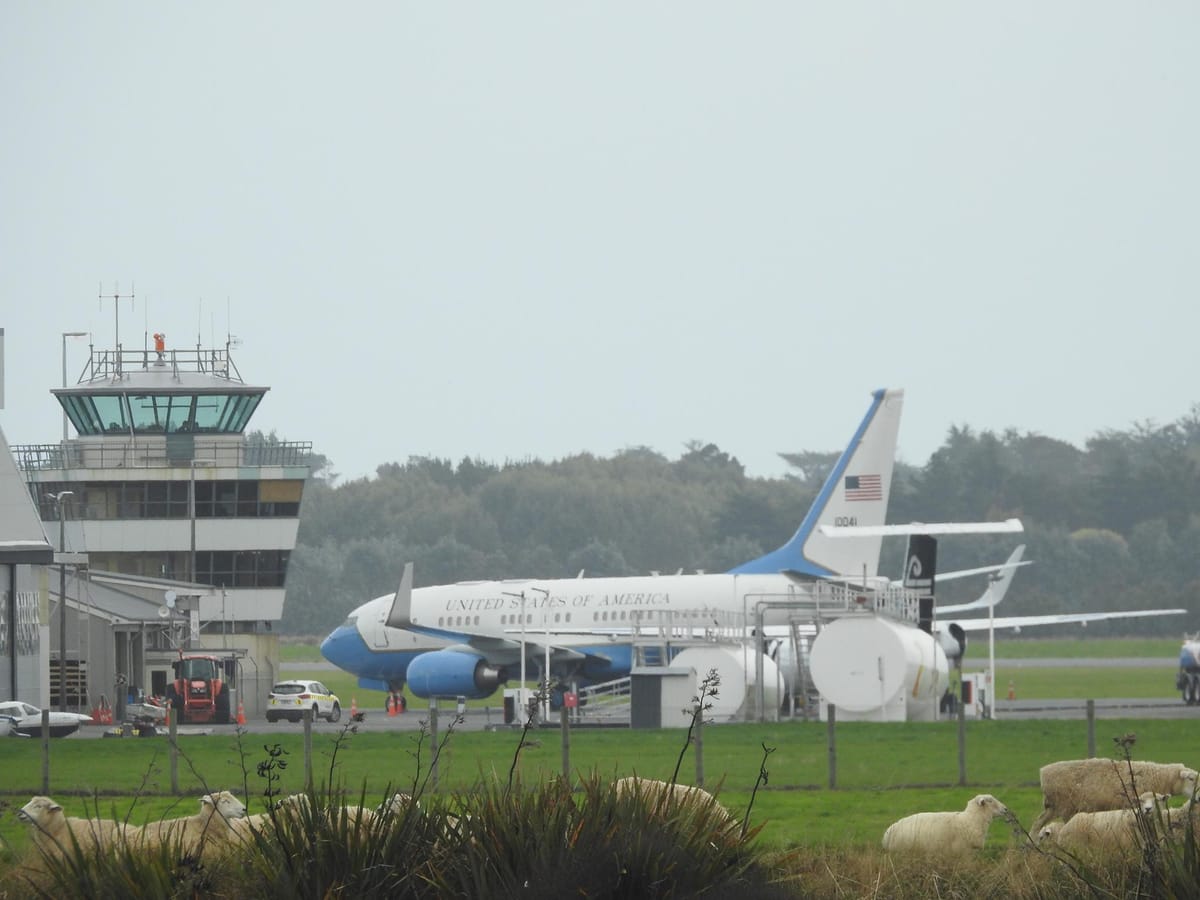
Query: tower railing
(110,365)
(157,453)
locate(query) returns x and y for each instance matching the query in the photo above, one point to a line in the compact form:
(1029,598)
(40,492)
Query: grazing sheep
(1047,835)
(662,793)
(242,830)
(1179,818)
(354,815)
(208,829)
(294,809)
(1108,831)
(56,832)
(396,805)
(359,819)
(1093,785)
(945,832)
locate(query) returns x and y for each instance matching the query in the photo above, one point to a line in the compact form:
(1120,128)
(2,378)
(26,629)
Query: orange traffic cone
(1012,691)
(391,704)
(241,716)
(353,707)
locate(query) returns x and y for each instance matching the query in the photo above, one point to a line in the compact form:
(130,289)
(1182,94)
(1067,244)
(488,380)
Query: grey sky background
(528,230)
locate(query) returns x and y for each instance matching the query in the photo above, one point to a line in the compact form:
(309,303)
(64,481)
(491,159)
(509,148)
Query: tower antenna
(116,298)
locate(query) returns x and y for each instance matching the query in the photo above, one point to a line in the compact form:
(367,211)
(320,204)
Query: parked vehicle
(1187,679)
(289,699)
(199,691)
(25,720)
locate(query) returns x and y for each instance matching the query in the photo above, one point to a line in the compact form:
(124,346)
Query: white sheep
(294,809)
(359,819)
(1180,817)
(56,832)
(1168,817)
(1047,834)
(1107,831)
(290,809)
(1093,785)
(209,829)
(945,832)
(660,795)
(396,805)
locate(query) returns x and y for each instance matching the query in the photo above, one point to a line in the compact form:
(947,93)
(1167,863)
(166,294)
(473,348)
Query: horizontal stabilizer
(982,570)
(1008,526)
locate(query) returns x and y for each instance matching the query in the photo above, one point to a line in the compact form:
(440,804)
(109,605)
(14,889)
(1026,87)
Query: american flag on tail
(864,487)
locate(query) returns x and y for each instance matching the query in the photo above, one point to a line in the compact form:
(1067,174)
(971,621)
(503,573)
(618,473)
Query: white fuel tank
(738,672)
(875,668)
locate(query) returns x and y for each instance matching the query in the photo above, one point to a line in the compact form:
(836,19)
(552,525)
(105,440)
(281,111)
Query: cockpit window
(349,623)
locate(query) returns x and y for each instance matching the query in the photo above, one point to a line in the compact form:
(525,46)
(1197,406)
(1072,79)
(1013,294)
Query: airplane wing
(497,647)
(1008,526)
(1018,622)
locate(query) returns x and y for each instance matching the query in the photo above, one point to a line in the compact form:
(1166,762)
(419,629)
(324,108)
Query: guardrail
(154,453)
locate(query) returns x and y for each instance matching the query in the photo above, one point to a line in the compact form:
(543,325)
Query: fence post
(433,743)
(46,751)
(173,746)
(1091,728)
(962,732)
(831,743)
(308,776)
(565,725)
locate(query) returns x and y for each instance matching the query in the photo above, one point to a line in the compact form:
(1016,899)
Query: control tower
(171,503)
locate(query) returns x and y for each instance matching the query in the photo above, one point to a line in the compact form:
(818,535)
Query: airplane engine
(954,642)
(452,673)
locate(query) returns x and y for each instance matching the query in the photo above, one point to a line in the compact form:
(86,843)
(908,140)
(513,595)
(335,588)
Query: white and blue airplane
(462,639)
(469,638)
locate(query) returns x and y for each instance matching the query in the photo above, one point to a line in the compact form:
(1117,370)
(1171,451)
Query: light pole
(546,674)
(65,335)
(521,690)
(60,498)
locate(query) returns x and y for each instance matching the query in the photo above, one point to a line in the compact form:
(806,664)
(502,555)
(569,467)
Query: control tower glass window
(99,414)
(161,413)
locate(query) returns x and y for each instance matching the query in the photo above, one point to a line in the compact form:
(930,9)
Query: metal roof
(22,537)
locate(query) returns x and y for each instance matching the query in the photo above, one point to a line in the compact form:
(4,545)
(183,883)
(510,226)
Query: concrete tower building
(180,529)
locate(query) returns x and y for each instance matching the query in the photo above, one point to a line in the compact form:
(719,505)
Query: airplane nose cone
(343,647)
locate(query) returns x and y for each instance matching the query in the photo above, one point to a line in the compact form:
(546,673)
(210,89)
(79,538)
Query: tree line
(1114,525)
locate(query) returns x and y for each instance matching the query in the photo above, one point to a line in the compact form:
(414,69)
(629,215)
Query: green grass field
(884,770)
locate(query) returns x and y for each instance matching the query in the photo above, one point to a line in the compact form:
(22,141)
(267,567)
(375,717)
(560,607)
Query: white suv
(289,700)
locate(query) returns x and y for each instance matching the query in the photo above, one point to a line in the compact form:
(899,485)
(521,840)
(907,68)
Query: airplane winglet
(400,615)
(999,579)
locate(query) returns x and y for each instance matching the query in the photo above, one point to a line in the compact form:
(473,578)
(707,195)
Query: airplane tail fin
(855,493)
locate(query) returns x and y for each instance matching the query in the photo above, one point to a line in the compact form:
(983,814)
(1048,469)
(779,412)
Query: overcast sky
(527,230)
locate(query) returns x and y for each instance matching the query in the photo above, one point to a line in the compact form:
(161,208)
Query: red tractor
(199,691)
